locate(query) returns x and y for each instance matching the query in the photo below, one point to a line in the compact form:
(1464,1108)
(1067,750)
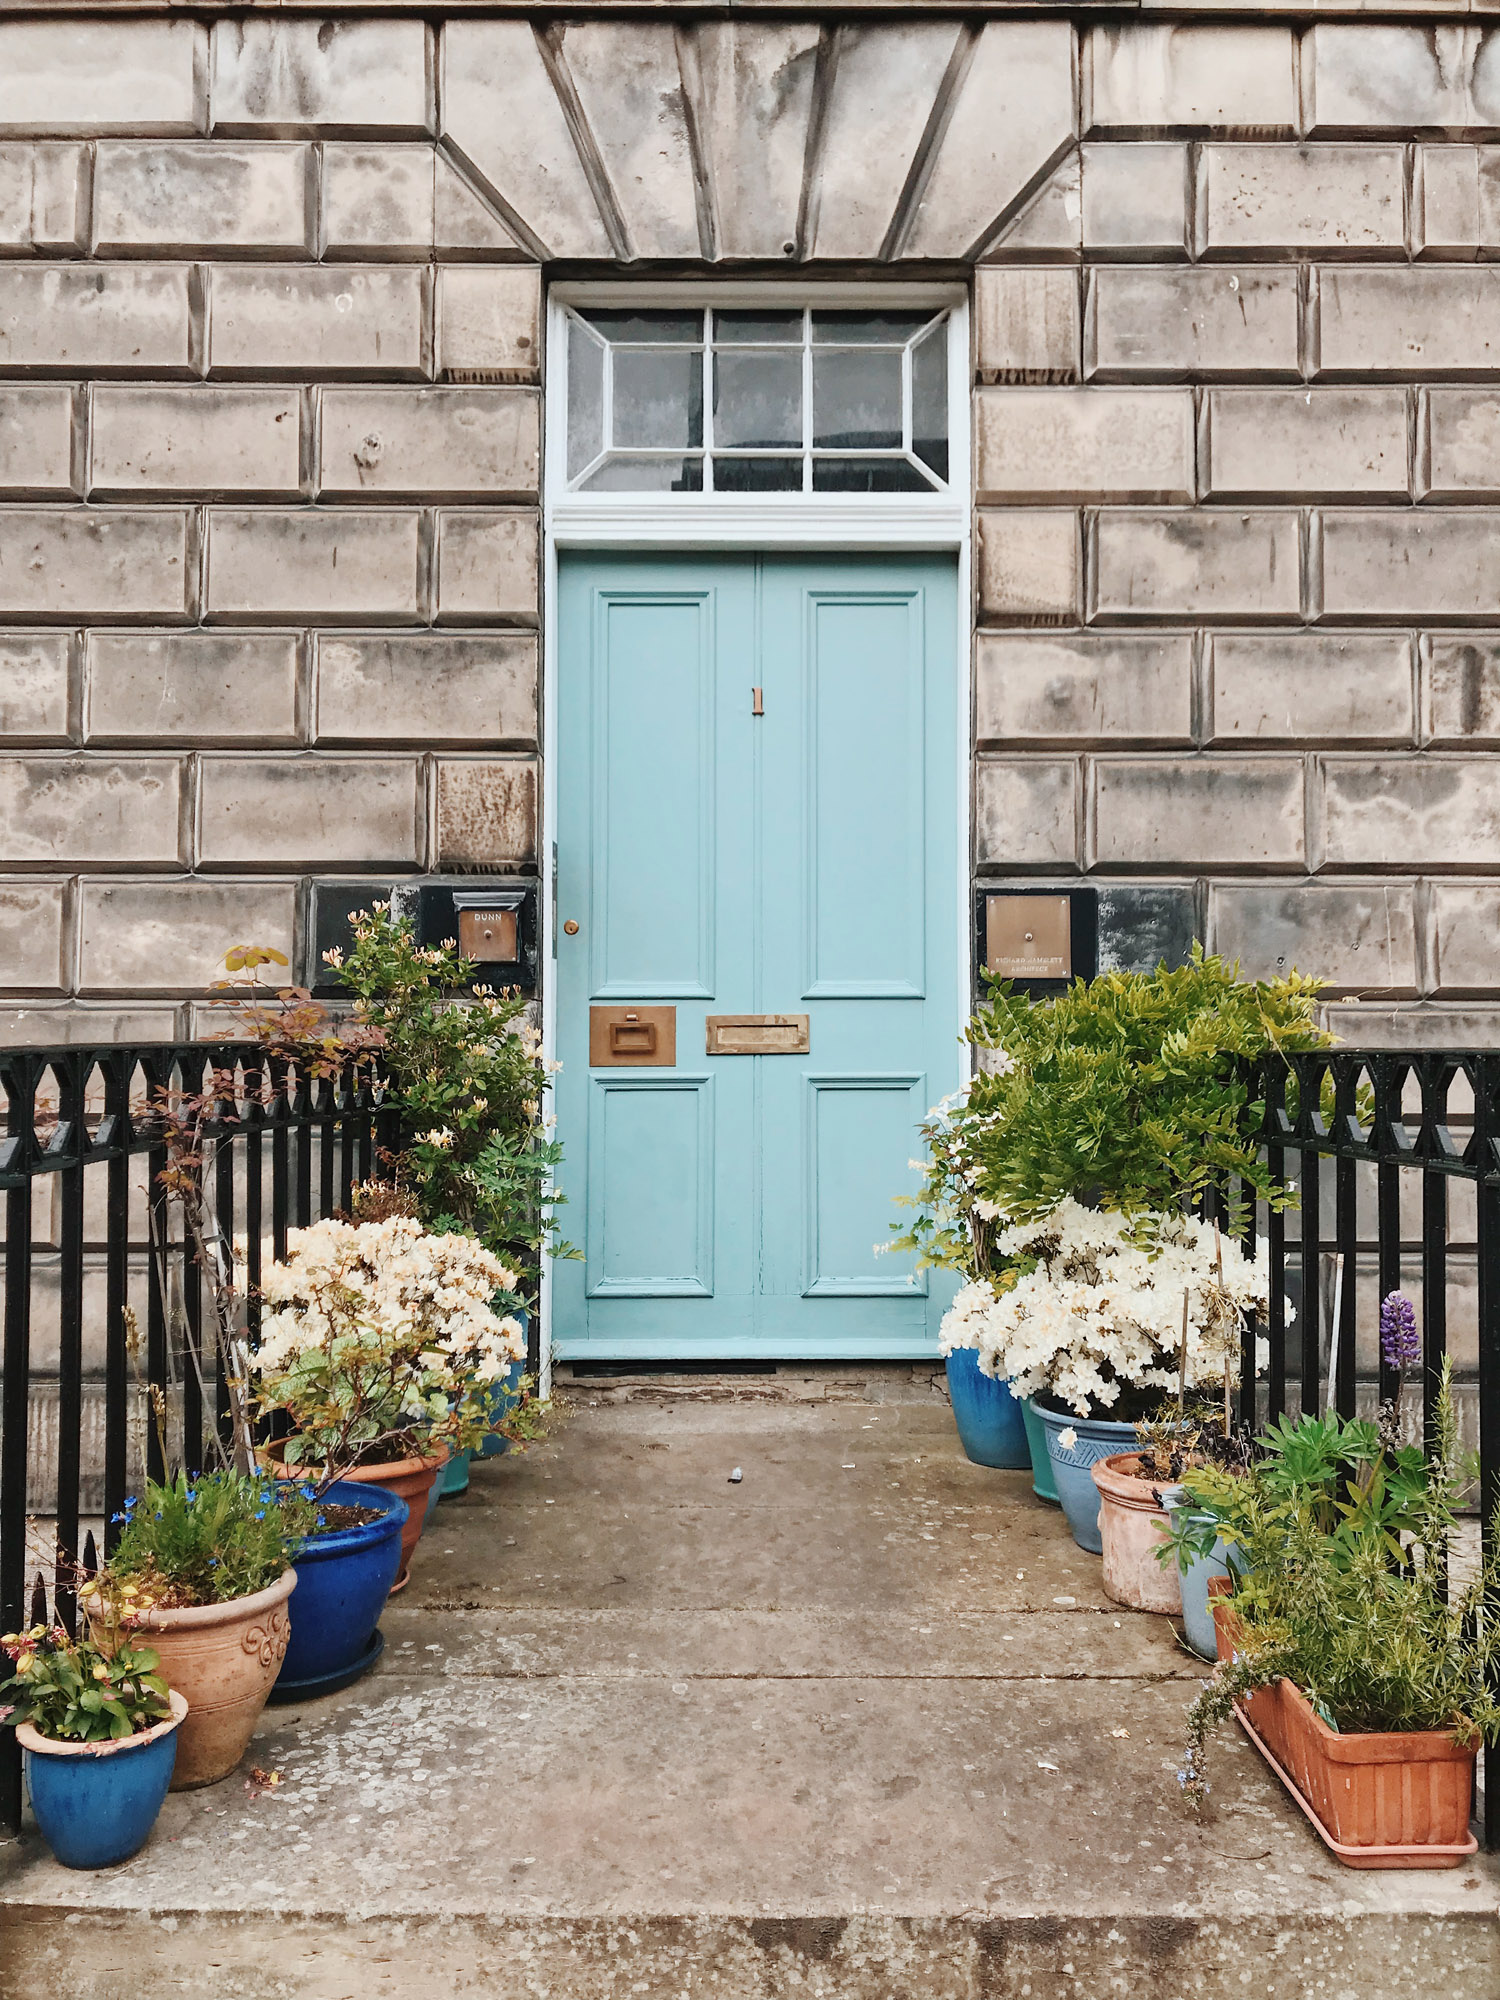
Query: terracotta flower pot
(1379,1798)
(411,1478)
(224,1658)
(1132,1523)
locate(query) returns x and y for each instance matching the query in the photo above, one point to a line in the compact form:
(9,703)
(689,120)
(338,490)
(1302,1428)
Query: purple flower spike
(1400,1343)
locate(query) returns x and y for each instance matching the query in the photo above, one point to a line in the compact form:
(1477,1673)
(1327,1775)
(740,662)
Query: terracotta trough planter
(1380,1799)
(410,1478)
(1132,1523)
(224,1658)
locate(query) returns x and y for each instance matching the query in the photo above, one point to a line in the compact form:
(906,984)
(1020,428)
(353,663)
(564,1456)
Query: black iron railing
(105,1309)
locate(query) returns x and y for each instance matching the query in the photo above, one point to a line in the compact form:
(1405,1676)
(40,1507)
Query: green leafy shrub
(207,1538)
(77,1691)
(1342,1585)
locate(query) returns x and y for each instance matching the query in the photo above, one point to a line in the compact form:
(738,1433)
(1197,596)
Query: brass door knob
(571,927)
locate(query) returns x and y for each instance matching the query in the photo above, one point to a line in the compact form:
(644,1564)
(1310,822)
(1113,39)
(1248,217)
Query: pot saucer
(288,1691)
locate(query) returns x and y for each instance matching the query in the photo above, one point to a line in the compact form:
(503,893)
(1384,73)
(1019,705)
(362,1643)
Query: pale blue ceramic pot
(1073,1467)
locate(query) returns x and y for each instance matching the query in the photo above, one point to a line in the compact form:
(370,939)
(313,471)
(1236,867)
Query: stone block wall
(270,437)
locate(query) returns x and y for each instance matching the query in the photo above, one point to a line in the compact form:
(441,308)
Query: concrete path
(862,1724)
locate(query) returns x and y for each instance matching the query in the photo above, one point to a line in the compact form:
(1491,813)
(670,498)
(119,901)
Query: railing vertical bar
(1310,1227)
(224,1211)
(156,1311)
(302,1114)
(117,1073)
(1273,1088)
(72,1135)
(253,1086)
(280,1162)
(1434,1296)
(1487,1160)
(327,1106)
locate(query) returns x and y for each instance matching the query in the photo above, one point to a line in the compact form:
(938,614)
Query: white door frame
(806,521)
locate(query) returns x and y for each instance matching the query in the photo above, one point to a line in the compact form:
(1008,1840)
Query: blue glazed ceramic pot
(1042,1483)
(1073,1467)
(991,1427)
(343,1580)
(1197,1615)
(96,1803)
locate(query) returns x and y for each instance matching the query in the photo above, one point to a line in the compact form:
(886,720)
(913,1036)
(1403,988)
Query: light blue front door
(716,861)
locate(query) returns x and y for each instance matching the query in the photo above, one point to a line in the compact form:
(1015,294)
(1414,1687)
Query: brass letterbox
(756,1034)
(644,1037)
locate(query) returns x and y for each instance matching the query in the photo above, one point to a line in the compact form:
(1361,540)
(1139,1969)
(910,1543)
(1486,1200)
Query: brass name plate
(490,936)
(644,1037)
(756,1034)
(1028,937)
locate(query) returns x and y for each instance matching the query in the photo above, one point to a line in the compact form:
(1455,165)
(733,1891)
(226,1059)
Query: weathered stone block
(1083,443)
(484,443)
(1422,563)
(1461,688)
(90,810)
(1416,320)
(271,566)
(486,813)
(1376,76)
(194,440)
(1313,687)
(42,199)
(34,684)
(1083,686)
(38,1026)
(283,75)
(1463,435)
(1026,813)
(757,81)
(1143,924)
(202,196)
(487,566)
(1196,565)
(33,935)
(489,320)
(1030,567)
(629,80)
(276,812)
(87,76)
(1026,320)
(1358,939)
(1150,77)
(1446,220)
(36,442)
(1051,223)
(1331,199)
(405,201)
(170,937)
(475,691)
(1213,811)
(339,319)
(1465,921)
(119,319)
(1200,322)
(1135,198)
(190,687)
(1336,443)
(110,564)
(1410,812)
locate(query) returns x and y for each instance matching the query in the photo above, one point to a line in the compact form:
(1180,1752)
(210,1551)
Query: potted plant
(1360,1669)
(345,1572)
(97,1726)
(203,1569)
(380,1342)
(1104,1317)
(953,1229)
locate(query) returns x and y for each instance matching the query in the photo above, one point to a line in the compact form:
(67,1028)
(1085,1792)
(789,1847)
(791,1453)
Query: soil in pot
(224,1658)
(96,1803)
(1132,1524)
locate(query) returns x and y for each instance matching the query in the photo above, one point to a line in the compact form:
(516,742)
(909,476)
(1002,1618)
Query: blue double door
(757,817)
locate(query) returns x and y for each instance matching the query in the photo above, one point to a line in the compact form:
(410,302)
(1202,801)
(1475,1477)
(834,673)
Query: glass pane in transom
(857,399)
(658,398)
(758,397)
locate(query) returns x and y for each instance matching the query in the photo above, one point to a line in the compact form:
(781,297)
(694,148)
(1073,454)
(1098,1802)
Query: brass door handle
(632,1038)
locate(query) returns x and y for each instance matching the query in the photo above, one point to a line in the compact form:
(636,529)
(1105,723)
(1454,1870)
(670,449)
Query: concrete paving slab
(862,1727)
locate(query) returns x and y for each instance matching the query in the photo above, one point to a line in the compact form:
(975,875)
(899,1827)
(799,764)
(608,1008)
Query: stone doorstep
(862,1725)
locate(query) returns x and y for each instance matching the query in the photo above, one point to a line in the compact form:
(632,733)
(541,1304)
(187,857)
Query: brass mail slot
(757,1034)
(490,936)
(1029,937)
(645,1036)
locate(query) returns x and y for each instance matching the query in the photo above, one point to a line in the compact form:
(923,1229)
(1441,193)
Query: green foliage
(206,1539)
(1343,1586)
(80,1691)
(1127,1089)
(470,1080)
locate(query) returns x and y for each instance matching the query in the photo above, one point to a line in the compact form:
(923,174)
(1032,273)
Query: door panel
(799,860)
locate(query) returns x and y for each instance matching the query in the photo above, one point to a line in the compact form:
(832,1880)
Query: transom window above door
(757,399)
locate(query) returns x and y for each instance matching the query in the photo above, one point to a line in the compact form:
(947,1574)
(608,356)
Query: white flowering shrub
(1088,1310)
(383,1340)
